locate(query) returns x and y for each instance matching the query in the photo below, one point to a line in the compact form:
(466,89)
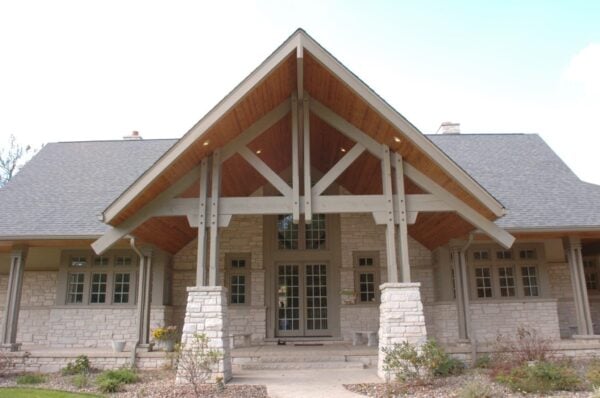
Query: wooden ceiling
(274,148)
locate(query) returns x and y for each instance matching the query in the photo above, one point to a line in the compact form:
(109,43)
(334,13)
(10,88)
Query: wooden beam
(308,211)
(465,211)
(114,234)
(256,129)
(214,224)
(400,211)
(260,166)
(201,250)
(390,229)
(338,169)
(295,163)
(300,68)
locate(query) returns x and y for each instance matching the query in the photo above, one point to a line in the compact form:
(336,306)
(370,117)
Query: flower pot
(118,346)
(169,345)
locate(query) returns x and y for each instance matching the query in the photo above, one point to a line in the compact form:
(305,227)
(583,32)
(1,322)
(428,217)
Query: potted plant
(167,335)
(348,296)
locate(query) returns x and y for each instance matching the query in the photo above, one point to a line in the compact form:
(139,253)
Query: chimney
(135,135)
(449,128)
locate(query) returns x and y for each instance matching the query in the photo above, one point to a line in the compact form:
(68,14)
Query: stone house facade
(302,208)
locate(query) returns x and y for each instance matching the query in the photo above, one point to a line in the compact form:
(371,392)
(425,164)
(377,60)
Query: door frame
(331,256)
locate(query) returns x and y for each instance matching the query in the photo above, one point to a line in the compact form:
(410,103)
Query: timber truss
(393,208)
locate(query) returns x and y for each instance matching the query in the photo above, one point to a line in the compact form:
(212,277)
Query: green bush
(483,362)
(476,389)
(80,366)
(112,380)
(30,378)
(593,374)
(541,377)
(80,380)
(406,362)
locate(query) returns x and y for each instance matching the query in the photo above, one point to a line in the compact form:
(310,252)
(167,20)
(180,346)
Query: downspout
(467,311)
(137,342)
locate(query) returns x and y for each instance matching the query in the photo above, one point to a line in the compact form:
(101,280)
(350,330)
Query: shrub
(80,366)
(195,361)
(483,362)
(476,389)
(406,362)
(526,346)
(593,374)
(541,377)
(31,378)
(111,380)
(80,380)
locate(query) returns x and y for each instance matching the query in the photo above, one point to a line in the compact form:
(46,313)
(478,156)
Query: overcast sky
(83,70)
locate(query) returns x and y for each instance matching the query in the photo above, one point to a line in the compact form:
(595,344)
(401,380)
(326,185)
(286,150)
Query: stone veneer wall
(244,235)
(560,288)
(360,233)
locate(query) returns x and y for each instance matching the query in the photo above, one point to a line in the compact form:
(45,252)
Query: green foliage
(593,375)
(111,380)
(526,346)
(476,389)
(80,380)
(483,362)
(196,362)
(40,393)
(541,377)
(30,378)
(407,362)
(80,366)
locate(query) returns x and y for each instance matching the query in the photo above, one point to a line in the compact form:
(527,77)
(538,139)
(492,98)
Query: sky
(97,70)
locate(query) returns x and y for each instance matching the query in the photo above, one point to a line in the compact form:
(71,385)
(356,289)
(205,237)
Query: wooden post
(580,296)
(390,229)
(307,178)
(214,219)
(201,251)
(295,163)
(13,299)
(144,294)
(461,303)
(401,212)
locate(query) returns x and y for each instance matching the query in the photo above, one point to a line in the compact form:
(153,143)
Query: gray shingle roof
(65,186)
(527,177)
(63,189)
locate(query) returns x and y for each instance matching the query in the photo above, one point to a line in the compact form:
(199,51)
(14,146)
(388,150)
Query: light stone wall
(442,321)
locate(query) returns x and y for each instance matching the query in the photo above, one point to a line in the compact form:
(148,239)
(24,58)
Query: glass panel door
(316,299)
(289,320)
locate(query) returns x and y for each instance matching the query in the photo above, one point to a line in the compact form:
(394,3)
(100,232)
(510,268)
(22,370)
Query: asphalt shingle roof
(63,189)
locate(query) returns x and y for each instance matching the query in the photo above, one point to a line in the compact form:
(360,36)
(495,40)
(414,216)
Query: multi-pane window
(121,287)
(316,232)
(530,283)
(479,255)
(366,276)
(506,280)
(238,274)
(504,255)
(483,282)
(98,280)
(528,254)
(287,232)
(591,274)
(75,288)
(98,288)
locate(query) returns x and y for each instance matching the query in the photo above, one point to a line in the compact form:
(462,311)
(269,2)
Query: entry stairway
(304,355)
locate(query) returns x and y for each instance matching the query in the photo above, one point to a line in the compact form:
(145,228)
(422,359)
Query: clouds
(584,68)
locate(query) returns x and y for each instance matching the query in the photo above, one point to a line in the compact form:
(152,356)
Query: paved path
(326,383)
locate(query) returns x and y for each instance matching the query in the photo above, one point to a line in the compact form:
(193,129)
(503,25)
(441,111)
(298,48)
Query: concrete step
(302,365)
(302,358)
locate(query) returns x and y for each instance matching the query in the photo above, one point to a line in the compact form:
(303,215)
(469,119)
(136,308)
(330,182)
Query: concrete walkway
(325,383)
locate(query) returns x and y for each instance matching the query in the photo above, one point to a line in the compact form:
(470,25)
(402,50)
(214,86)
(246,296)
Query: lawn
(39,393)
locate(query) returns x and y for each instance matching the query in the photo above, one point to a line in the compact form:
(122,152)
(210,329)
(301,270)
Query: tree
(11,159)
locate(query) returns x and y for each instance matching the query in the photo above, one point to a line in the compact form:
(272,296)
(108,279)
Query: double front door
(302,299)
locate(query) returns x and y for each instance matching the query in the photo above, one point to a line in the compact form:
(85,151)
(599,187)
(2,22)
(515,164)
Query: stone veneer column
(400,318)
(206,313)
(13,299)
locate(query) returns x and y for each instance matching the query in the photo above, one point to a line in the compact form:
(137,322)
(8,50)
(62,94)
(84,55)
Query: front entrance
(302,299)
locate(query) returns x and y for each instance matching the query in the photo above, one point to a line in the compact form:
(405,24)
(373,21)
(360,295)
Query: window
(479,255)
(75,288)
(530,284)
(591,274)
(98,291)
(504,255)
(314,233)
(121,294)
(238,278)
(366,276)
(529,254)
(98,280)
(506,279)
(483,282)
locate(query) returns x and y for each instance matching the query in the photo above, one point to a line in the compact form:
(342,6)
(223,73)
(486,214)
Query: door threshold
(311,339)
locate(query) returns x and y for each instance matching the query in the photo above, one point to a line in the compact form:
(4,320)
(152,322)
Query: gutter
(137,342)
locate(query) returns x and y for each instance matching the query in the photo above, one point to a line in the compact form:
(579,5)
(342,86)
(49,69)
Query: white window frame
(245,271)
(590,267)
(302,229)
(373,269)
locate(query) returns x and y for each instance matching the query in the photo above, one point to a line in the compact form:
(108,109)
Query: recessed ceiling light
(258,151)
(343,149)
(206,143)
(397,139)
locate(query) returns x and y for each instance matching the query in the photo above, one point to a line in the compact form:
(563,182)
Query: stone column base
(401,319)
(14,347)
(206,313)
